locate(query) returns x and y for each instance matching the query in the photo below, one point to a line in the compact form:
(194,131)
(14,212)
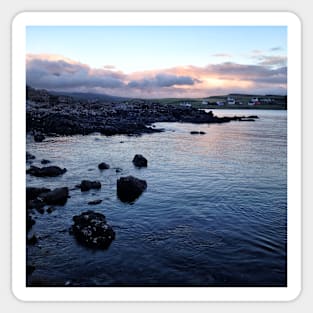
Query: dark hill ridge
(66,116)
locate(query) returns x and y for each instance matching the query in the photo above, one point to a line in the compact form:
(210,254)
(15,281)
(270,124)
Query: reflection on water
(214,212)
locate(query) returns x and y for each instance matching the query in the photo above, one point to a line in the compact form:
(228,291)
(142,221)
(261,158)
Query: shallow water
(214,212)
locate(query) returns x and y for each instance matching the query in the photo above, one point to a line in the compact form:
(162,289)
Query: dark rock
(32,241)
(57,196)
(86,185)
(37,204)
(118,170)
(51,209)
(44,161)
(130,188)
(91,229)
(30,269)
(94,202)
(29,222)
(39,137)
(29,156)
(103,166)
(194,132)
(253,116)
(140,161)
(40,209)
(33,192)
(49,171)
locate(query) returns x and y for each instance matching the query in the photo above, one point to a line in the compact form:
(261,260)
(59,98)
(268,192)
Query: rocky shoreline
(112,119)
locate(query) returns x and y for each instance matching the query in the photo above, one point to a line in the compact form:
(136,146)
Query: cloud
(163,80)
(61,73)
(222,55)
(268,75)
(276,49)
(256,52)
(273,60)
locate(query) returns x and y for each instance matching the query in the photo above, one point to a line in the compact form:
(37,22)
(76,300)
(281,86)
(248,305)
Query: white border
(19,288)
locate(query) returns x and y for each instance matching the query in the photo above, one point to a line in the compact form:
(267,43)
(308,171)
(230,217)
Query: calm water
(214,212)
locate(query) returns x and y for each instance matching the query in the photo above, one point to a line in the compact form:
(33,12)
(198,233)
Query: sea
(214,212)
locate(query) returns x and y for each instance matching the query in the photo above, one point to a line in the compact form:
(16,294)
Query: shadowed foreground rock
(48,171)
(33,192)
(130,188)
(91,230)
(57,196)
(140,161)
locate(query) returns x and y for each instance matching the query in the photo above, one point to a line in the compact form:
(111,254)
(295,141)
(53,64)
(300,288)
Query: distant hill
(87,96)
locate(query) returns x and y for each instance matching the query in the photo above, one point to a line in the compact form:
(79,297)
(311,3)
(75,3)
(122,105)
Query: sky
(158,61)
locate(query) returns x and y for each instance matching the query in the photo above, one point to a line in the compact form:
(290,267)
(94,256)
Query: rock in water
(95,202)
(39,137)
(130,188)
(57,196)
(140,161)
(86,185)
(48,171)
(33,192)
(91,229)
(103,166)
(29,156)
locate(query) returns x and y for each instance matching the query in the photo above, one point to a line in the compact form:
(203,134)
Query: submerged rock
(86,185)
(48,171)
(91,229)
(130,188)
(140,161)
(103,166)
(44,161)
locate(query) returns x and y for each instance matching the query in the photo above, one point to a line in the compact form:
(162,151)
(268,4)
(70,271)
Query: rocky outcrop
(103,166)
(86,185)
(107,119)
(48,171)
(91,230)
(140,161)
(130,188)
(44,161)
